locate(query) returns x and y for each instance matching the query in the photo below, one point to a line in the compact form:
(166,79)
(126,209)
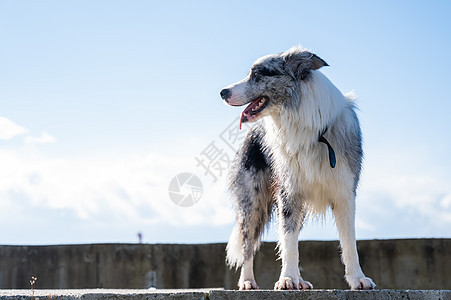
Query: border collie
(304,158)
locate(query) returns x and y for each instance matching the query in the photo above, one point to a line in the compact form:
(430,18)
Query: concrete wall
(393,264)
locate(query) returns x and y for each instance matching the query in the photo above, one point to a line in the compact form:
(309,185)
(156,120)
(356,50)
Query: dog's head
(270,82)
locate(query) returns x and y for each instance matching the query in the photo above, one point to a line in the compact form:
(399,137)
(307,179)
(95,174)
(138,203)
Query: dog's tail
(235,249)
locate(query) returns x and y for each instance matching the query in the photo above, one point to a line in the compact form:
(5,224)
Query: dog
(304,158)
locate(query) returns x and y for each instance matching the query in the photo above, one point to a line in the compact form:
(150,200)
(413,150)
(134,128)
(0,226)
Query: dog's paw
(363,283)
(305,285)
(286,283)
(247,285)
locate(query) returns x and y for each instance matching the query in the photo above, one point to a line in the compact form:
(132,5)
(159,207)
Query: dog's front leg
(291,218)
(344,213)
(247,279)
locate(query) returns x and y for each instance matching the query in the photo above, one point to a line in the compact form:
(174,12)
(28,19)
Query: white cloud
(9,129)
(125,192)
(44,138)
(445,203)
(402,194)
(108,189)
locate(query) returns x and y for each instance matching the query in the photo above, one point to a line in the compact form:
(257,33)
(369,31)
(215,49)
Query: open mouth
(253,109)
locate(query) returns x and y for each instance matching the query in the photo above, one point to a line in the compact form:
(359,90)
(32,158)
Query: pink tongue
(247,110)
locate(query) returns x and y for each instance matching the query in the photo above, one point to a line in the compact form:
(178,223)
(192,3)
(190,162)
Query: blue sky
(102,103)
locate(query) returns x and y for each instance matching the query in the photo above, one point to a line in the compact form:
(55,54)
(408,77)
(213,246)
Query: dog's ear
(317,62)
(300,62)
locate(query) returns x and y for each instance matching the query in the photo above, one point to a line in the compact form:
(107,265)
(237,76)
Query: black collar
(332,159)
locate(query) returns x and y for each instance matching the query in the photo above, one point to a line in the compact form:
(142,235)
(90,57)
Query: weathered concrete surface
(331,295)
(101,294)
(394,264)
(202,294)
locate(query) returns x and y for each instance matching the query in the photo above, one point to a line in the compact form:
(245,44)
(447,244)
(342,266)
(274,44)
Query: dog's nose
(225,93)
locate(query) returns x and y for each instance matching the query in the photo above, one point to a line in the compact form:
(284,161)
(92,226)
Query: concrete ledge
(219,294)
(101,294)
(332,295)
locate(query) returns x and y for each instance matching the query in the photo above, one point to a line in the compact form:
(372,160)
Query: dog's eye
(255,74)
